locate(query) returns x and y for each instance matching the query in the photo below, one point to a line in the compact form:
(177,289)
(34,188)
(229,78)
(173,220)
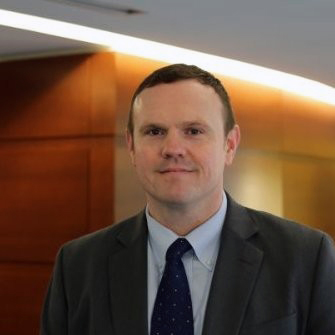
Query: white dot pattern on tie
(172,314)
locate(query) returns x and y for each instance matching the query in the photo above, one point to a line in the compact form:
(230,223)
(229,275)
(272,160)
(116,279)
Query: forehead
(186,98)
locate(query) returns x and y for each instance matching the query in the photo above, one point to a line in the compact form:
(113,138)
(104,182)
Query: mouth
(175,170)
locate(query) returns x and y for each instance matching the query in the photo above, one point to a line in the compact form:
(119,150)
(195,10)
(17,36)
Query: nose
(173,146)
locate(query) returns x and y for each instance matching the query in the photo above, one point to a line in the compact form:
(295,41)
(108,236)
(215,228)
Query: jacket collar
(128,279)
(235,274)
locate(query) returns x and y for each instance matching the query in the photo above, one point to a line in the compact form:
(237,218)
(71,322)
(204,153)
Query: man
(194,261)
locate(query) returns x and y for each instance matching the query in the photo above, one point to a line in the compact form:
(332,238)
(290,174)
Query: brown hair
(178,72)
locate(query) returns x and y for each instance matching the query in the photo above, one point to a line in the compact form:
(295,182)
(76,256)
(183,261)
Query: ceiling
(295,36)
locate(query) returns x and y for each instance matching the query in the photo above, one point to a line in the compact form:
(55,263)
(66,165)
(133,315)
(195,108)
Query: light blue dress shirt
(199,263)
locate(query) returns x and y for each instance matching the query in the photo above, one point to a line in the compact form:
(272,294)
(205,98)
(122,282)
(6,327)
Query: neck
(183,218)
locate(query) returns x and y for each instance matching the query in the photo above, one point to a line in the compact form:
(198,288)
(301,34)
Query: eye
(193,131)
(154,132)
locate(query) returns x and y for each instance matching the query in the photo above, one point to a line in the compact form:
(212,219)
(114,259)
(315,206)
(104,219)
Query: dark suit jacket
(272,277)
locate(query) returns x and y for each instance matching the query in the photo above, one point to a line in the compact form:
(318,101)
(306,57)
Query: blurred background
(64,168)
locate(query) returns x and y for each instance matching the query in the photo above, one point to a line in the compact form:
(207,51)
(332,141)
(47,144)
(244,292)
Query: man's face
(179,148)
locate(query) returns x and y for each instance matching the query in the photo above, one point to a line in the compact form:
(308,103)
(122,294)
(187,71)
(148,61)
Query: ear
(231,145)
(130,146)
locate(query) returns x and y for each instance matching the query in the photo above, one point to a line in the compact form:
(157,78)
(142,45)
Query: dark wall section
(56,171)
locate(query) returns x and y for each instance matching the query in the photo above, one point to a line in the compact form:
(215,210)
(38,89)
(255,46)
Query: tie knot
(177,249)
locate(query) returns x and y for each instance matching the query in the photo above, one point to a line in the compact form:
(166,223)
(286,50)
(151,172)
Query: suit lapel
(235,274)
(128,280)
(234,277)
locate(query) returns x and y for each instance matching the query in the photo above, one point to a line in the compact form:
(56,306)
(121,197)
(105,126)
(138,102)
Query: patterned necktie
(172,314)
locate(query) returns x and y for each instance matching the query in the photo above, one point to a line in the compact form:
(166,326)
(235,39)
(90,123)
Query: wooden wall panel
(45,97)
(103,93)
(43,201)
(75,92)
(259,113)
(56,171)
(255,179)
(309,127)
(309,188)
(22,288)
(101,183)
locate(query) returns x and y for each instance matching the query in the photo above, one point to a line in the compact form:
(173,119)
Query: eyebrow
(195,123)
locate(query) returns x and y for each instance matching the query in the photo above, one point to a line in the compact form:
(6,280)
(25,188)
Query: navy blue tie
(172,313)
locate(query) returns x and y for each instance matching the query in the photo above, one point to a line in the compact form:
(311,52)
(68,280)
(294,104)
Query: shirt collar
(205,239)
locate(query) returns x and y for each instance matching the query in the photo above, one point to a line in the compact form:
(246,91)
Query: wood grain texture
(309,127)
(259,113)
(57,126)
(103,93)
(308,186)
(45,97)
(43,201)
(101,208)
(255,179)
(53,191)
(22,288)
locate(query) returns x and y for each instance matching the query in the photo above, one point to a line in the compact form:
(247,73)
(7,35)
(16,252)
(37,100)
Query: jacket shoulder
(288,236)
(103,241)
(270,222)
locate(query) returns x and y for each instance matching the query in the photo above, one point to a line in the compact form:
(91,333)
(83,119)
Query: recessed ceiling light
(171,54)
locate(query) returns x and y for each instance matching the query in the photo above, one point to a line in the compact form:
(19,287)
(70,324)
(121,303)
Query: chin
(175,199)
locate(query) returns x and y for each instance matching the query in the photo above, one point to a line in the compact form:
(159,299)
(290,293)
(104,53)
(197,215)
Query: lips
(175,170)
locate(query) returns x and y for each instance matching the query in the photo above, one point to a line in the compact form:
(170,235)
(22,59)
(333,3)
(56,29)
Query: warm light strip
(171,54)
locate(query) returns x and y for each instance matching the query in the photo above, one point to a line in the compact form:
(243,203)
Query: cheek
(214,162)
(143,159)
(213,156)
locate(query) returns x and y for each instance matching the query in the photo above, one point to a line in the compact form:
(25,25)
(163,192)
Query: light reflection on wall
(255,180)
